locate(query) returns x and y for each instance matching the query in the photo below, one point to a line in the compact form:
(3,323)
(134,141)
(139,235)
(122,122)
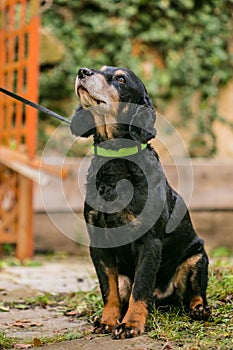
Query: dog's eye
(120,79)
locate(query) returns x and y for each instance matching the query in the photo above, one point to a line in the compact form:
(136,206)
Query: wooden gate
(19,52)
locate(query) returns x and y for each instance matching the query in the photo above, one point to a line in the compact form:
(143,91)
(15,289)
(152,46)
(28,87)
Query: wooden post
(24,247)
(19,71)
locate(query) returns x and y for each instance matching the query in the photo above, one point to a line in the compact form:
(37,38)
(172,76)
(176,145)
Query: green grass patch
(221,252)
(80,304)
(5,342)
(177,327)
(57,338)
(10,261)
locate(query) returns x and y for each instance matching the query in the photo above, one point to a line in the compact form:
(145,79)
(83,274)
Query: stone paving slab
(67,275)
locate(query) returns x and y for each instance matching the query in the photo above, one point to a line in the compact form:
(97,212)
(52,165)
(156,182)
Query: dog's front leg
(141,298)
(108,278)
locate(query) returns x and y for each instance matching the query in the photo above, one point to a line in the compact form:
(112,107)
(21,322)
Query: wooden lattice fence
(19,52)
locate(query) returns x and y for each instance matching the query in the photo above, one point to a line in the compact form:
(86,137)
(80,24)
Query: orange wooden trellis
(19,52)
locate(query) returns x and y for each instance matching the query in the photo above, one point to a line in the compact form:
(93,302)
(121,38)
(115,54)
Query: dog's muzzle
(84,72)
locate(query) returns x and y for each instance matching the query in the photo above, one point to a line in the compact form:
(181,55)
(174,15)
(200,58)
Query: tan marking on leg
(179,279)
(184,270)
(136,315)
(161,295)
(112,308)
(199,311)
(195,301)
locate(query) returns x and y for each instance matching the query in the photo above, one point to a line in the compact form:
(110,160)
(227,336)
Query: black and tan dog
(143,244)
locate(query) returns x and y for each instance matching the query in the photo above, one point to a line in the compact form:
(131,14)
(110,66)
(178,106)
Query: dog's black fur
(139,258)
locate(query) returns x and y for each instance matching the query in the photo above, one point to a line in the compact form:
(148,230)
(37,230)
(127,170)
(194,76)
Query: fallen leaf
(88,337)
(21,306)
(35,324)
(37,342)
(60,309)
(22,346)
(75,313)
(4,308)
(71,313)
(56,331)
(18,324)
(25,323)
(167,346)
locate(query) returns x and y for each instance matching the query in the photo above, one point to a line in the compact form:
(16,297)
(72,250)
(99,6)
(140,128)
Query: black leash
(35,105)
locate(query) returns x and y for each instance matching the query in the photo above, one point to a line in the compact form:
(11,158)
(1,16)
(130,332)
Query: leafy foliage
(176,47)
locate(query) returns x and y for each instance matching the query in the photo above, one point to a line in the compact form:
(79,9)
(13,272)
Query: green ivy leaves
(192,40)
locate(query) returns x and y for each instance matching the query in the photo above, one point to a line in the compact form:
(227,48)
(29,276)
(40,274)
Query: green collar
(122,152)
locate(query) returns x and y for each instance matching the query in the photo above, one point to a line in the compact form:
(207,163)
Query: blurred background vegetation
(181,49)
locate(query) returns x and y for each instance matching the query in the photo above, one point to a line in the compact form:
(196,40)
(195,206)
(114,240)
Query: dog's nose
(84,72)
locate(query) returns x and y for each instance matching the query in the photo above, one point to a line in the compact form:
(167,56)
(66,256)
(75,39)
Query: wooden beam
(13,159)
(29,172)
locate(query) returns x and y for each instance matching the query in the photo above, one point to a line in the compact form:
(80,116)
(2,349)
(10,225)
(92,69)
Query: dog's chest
(116,190)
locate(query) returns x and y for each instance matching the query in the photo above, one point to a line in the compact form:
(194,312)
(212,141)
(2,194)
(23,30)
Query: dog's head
(114,103)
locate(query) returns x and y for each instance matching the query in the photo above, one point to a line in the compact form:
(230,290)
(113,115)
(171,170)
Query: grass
(56,339)
(173,326)
(5,342)
(177,327)
(9,343)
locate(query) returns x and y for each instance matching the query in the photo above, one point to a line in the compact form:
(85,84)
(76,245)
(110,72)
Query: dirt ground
(105,343)
(66,275)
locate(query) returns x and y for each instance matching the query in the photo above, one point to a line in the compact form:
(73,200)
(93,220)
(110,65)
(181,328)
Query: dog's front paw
(200,312)
(101,327)
(123,331)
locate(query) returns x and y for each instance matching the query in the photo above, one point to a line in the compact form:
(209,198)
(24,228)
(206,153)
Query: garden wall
(210,202)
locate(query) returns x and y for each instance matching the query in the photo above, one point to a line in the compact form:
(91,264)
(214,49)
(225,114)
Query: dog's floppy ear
(82,123)
(142,123)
